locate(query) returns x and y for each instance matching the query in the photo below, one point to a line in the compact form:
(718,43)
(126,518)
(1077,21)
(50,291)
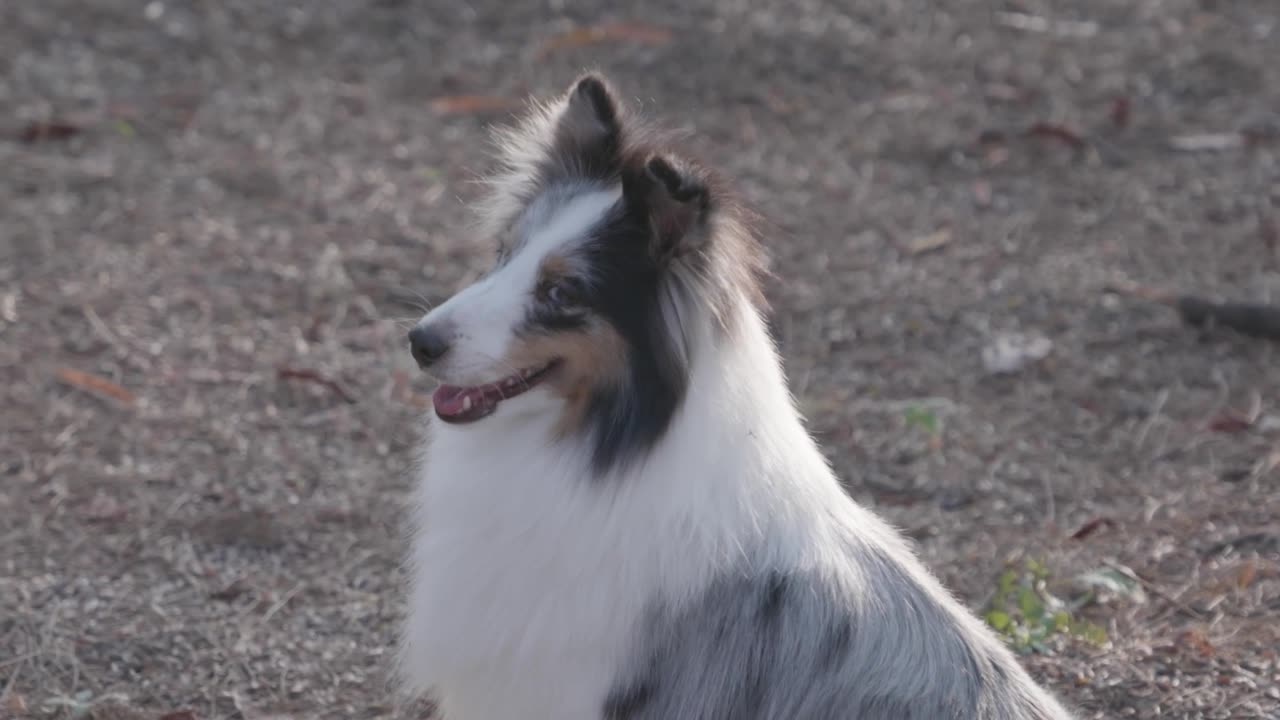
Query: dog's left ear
(588,134)
(676,201)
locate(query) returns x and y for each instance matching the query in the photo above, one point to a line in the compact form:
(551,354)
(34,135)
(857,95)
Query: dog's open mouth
(468,404)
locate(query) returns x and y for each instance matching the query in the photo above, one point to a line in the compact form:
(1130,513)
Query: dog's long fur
(652,533)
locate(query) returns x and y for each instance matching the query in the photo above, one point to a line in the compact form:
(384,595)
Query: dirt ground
(215,217)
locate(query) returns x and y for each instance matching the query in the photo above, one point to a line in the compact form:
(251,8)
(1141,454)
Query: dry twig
(1253,319)
(309,375)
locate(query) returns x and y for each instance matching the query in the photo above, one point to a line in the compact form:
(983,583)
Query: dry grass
(213,216)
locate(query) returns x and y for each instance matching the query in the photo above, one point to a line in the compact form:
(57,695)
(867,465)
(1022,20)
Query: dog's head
(610,249)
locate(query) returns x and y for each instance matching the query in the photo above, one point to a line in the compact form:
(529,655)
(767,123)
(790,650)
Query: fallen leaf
(1057,132)
(1091,527)
(1121,111)
(1247,574)
(47,130)
(96,384)
(16,704)
(230,592)
(596,34)
(471,104)
(1196,640)
(1207,142)
(1230,422)
(929,243)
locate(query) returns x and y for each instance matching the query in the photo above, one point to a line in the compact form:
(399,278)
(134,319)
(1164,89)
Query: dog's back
(868,639)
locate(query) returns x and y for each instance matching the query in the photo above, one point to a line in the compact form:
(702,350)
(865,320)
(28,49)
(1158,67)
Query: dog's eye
(563,294)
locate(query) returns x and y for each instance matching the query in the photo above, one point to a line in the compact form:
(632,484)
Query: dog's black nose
(428,344)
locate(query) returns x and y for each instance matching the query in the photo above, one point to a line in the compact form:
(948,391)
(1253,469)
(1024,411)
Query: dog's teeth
(466,403)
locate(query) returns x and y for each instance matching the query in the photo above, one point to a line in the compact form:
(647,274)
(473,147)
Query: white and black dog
(621,513)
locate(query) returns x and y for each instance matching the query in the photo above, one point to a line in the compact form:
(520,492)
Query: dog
(620,513)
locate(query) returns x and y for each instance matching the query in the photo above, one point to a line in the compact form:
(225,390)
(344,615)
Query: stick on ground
(1252,319)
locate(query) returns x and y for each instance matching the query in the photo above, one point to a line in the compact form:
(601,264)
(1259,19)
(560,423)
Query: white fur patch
(486,314)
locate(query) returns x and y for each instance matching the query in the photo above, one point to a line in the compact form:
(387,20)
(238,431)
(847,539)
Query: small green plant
(922,418)
(1027,615)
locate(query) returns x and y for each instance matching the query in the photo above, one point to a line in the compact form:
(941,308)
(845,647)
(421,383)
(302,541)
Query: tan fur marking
(590,358)
(554,266)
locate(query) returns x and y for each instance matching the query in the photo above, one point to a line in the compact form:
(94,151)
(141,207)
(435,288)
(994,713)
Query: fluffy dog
(621,513)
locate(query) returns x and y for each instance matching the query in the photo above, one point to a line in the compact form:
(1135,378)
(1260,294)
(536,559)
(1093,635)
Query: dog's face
(580,315)
(543,319)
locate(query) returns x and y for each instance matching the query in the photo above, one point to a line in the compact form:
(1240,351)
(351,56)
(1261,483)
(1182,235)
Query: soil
(215,219)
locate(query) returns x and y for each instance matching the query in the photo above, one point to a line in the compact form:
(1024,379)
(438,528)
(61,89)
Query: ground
(215,217)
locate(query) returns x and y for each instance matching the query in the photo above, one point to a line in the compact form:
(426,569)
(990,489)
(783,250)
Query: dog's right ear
(588,135)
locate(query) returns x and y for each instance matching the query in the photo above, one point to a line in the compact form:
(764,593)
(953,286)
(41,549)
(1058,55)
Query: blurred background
(215,217)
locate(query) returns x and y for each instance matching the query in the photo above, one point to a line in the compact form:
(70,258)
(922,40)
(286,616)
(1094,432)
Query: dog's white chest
(528,581)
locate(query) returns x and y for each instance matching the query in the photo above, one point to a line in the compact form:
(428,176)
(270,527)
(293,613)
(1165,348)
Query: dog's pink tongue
(449,399)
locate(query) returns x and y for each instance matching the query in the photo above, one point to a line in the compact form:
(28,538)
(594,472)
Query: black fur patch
(681,187)
(630,419)
(593,89)
(835,645)
(773,597)
(628,702)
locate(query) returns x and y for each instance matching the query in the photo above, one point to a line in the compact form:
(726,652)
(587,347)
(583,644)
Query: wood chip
(929,243)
